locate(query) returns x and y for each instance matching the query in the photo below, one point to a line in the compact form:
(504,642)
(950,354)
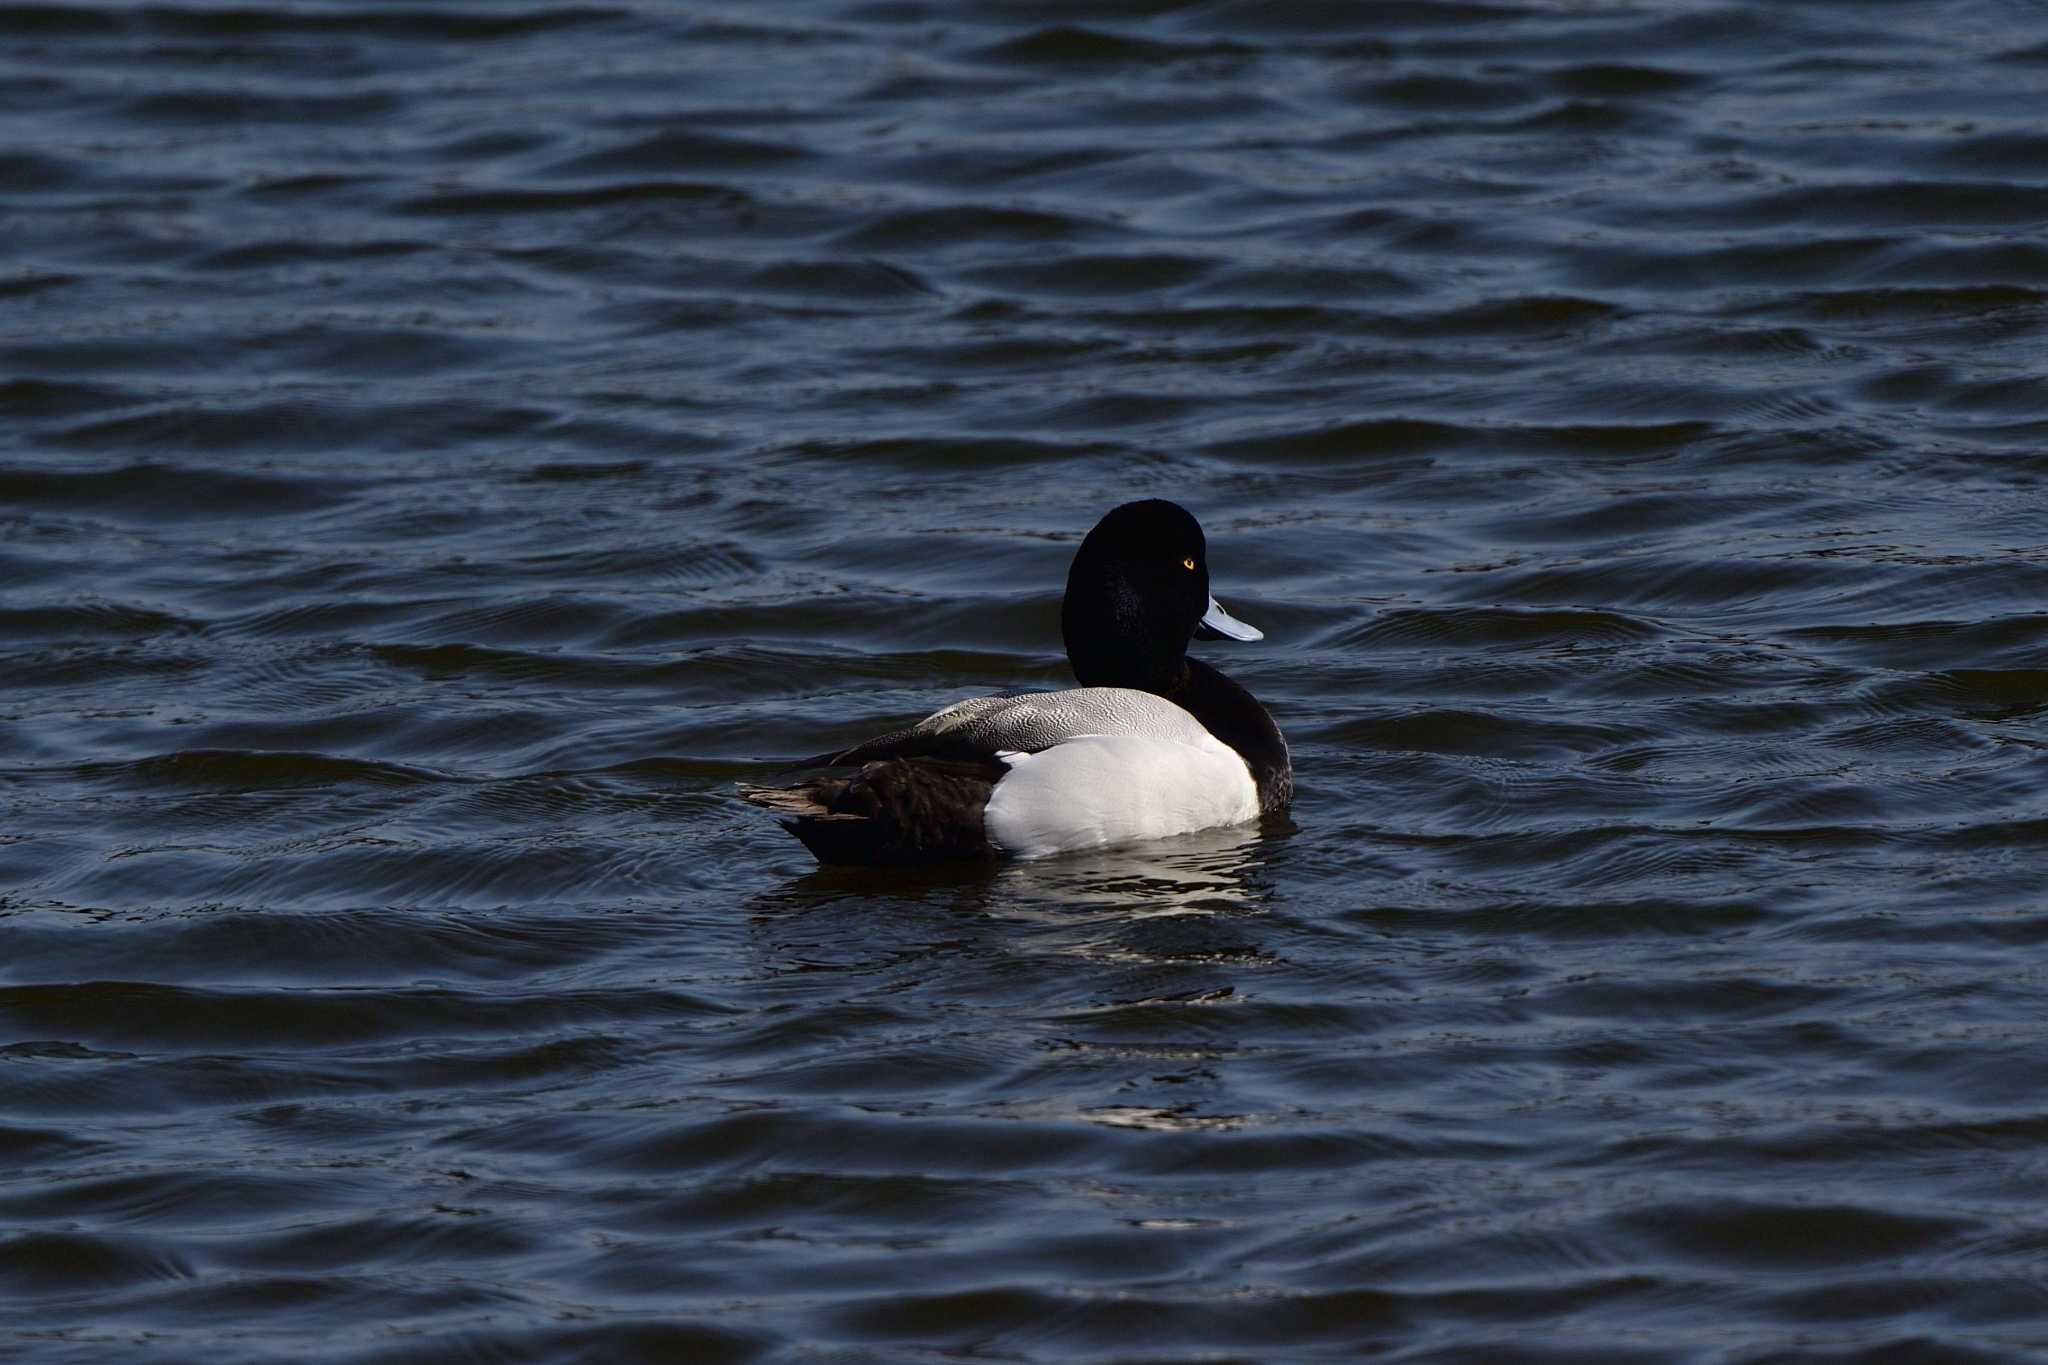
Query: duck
(1151,744)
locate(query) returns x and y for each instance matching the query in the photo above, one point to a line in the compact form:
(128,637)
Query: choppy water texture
(446,446)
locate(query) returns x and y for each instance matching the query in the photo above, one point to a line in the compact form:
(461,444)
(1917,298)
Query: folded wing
(1029,723)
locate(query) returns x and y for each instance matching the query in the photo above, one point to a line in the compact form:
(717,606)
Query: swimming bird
(1152,743)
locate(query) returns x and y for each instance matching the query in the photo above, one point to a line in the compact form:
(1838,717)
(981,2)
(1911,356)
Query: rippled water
(446,446)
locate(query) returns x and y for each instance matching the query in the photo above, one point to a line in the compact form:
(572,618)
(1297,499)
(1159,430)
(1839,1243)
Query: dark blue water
(443,447)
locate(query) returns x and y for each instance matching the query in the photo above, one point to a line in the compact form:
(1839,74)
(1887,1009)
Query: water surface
(446,446)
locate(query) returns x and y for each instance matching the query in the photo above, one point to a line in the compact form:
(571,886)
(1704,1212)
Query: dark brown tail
(891,812)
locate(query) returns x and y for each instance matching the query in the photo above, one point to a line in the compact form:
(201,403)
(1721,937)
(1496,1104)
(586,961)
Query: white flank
(1095,790)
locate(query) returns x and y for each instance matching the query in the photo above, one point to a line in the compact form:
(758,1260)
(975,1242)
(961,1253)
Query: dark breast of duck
(1235,716)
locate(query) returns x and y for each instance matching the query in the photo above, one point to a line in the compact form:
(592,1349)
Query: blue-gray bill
(1218,624)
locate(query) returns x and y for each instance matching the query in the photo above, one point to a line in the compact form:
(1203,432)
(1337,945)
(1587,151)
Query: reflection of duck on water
(1188,904)
(1199,872)
(1213,873)
(1152,743)
(1088,983)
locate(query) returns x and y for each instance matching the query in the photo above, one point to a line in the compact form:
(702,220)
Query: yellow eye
(1188,563)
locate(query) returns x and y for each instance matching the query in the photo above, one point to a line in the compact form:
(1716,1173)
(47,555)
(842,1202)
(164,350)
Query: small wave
(1619,80)
(1801,259)
(316,185)
(28,399)
(1970,264)
(1481,626)
(2016,154)
(154,491)
(190,1198)
(430,25)
(240,106)
(638,568)
(1343,441)
(272,254)
(1303,281)
(269,949)
(628,1271)
(233,768)
(517,201)
(1902,738)
(1020,351)
(1582,918)
(1327,21)
(34,21)
(965,224)
(934,452)
(268,426)
(1070,45)
(91,621)
(678,151)
(167,1018)
(1627,518)
(871,281)
(1935,643)
(1437,92)
(1994,693)
(35,1146)
(1881,204)
(550,619)
(1480,734)
(1803,1235)
(39,1264)
(1530,315)
(27,286)
(1098,274)
(569,472)
(1289,321)
(978,167)
(1961,301)
(31,173)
